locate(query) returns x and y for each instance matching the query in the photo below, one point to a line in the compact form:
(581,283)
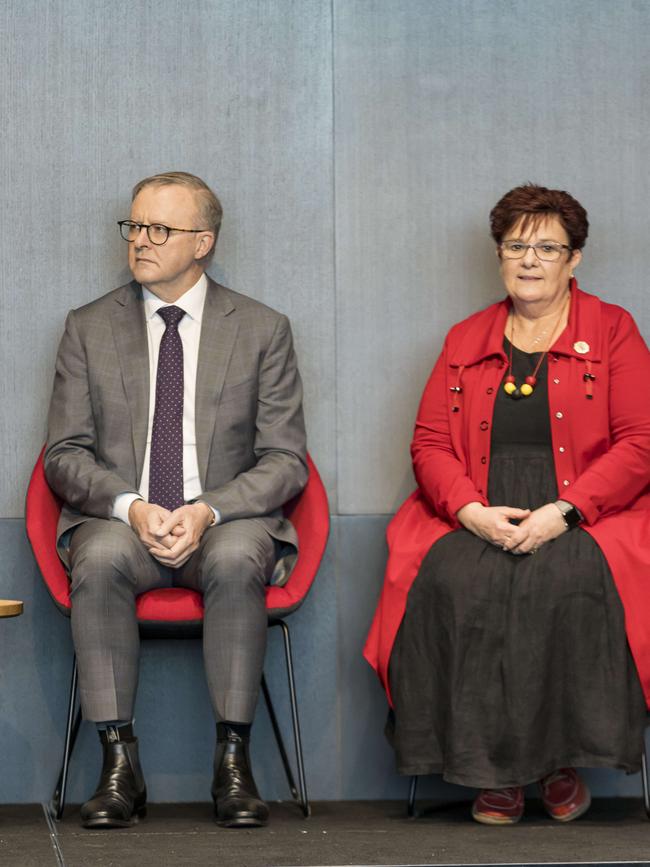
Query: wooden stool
(10,608)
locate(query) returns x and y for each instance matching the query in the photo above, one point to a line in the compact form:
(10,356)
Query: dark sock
(242,730)
(115,731)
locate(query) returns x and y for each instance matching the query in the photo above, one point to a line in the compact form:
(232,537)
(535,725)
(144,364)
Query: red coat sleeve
(615,479)
(440,468)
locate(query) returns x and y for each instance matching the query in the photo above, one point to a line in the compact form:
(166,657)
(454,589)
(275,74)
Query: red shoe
(499,806)
(564,795)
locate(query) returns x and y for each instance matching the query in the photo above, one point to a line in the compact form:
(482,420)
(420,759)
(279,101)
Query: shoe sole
(242,822)
(579,811)
(106,822)
(486,819)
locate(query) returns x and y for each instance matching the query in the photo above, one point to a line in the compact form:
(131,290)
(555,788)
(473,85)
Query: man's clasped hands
(170,537)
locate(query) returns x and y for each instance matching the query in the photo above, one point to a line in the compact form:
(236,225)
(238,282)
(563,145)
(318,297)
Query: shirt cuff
(122,504)
(215,512)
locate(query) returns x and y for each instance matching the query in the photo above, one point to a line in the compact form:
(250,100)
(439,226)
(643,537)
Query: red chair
(177,612)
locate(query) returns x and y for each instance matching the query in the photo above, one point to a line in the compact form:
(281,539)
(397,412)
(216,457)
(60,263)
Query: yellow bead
(509,387)
(526,389)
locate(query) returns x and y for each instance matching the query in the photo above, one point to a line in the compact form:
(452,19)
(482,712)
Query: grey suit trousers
(109,567)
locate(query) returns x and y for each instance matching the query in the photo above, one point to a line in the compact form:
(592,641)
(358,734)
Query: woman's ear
(575,260)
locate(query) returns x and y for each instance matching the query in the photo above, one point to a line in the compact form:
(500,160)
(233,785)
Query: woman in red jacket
(519,563)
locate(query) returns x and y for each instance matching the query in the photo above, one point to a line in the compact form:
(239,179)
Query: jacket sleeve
(440,471)
(280,440)
(615,479)
(70,461)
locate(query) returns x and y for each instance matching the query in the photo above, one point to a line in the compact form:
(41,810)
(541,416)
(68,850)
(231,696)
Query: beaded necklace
(528,386)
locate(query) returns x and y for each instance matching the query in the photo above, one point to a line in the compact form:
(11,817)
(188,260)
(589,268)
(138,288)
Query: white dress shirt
(189,329)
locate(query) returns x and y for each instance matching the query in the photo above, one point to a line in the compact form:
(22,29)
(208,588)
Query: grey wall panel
(440,108)
(95,96)
(342,705)
(362,558)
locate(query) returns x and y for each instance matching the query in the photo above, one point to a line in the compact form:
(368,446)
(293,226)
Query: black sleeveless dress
(507,667)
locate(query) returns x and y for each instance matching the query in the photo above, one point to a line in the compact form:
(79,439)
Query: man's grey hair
(209,206)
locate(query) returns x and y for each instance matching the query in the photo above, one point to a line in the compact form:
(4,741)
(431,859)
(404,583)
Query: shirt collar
(191,301)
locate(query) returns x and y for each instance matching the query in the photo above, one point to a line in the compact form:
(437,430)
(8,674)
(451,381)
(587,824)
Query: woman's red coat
(601,449)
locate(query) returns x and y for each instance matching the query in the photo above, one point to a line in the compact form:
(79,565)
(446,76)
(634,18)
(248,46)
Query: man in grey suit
(175,435)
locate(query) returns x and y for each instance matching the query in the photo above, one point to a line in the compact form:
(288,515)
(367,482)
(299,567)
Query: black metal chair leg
(279,740)
(304,800)
(645,777)
(72,730)
(411,804)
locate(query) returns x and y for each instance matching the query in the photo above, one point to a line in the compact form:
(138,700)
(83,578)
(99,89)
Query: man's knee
(237,561)
(103,551)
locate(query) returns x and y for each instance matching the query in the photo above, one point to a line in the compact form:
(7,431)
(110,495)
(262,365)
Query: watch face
(572,516)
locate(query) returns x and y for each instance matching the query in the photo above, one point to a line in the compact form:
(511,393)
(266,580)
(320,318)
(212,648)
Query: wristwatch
(571,515)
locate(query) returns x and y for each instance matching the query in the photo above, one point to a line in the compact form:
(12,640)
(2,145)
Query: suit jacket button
(484,425)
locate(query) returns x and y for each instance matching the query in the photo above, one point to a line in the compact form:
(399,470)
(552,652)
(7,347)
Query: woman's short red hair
(531,204)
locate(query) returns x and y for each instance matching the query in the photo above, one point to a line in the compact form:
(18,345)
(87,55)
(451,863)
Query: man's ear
(204,243)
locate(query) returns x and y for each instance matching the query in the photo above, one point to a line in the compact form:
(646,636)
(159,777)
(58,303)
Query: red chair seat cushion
(308,511)
(170,605)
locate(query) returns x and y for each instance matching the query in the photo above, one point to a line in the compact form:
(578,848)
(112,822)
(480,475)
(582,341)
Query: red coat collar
(481,336)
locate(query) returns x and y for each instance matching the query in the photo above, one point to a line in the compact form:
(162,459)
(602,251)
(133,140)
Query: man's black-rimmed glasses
(156,232)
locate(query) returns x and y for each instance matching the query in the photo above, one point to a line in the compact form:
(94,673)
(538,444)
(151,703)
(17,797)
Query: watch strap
(571,515)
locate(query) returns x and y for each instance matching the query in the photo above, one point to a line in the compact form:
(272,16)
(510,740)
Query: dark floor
(338,833)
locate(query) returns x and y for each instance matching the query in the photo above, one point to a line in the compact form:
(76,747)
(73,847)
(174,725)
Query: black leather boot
(237,803)
(121,796)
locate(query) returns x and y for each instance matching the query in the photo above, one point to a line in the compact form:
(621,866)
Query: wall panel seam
(339,667)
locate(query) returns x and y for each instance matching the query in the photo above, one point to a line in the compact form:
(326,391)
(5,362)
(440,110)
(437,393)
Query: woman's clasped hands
(494,524)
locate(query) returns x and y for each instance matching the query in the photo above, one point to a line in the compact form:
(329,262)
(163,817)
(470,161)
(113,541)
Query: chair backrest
(309,513)
(42,511)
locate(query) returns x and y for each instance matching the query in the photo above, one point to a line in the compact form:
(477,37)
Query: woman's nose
(530,257)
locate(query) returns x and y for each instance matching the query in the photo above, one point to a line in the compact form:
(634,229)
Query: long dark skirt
(507,667)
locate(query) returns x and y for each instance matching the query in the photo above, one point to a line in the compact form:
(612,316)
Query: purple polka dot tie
(166,459)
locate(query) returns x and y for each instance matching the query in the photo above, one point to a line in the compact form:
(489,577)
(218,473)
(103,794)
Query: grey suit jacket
(250,434)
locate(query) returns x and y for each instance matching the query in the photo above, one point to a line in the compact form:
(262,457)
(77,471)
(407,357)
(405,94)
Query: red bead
(531,380)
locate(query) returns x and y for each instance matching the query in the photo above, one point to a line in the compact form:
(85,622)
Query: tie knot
(171,315)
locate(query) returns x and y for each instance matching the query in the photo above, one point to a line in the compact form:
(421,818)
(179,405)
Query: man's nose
(141,239)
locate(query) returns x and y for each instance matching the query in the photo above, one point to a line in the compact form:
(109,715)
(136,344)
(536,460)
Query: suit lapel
(218,334)
(130,335)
